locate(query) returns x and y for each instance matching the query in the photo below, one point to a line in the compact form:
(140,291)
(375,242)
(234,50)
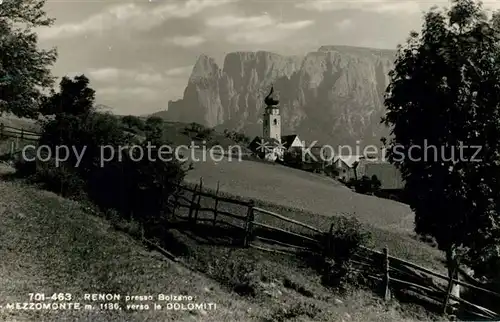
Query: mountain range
(333,95)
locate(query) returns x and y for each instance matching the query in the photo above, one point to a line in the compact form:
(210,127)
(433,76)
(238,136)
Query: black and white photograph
(249,160)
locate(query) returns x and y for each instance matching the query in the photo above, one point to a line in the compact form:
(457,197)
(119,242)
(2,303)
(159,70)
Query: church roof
(258,143)
(287,140)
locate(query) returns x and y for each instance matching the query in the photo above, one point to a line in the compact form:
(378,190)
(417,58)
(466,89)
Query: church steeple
(271,118)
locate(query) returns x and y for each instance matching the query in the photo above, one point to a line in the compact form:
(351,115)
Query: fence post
(12,149)
(198,202)
(328,243)
(327,250)
(2,126)
(191,205)
(387,292)
(216,203)
(450,287)
(249,223)
(175,203)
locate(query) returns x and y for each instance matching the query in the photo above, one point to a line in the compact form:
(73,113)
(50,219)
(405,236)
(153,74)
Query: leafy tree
(24,69)
(75,97)
(154,129)
(154,121)
(375,184)
(133,122)
(444,92)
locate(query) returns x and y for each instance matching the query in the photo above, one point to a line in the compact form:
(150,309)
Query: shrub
(346,237)
(205,134)
(62,179)
(134,189)
(365,185)
(133,122)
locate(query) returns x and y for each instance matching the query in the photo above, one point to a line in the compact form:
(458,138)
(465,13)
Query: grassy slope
(315,199)
(20,123)
(303,190)
(49,244)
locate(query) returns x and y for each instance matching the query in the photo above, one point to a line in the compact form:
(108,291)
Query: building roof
(259,144)
(349,160)
(389,176)
(287,140)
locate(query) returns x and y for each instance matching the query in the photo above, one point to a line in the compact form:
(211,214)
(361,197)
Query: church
(272,145)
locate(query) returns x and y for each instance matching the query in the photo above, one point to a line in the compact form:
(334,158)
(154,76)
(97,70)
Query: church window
(275,122)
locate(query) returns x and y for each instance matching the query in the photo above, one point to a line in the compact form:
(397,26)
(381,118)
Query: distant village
(289,150)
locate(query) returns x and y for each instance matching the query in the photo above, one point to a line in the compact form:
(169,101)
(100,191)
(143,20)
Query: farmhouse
(389,176)
(345,166)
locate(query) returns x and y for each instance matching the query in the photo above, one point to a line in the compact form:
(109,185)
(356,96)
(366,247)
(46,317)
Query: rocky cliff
(334,95)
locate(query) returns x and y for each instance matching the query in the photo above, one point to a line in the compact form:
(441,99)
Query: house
(392,183)
(267,148)
(345,166)
(292,142)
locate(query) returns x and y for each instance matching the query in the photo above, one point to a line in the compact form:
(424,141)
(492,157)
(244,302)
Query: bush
(365,185)
(136,190)
(346,237)
(205,134)
(133,122)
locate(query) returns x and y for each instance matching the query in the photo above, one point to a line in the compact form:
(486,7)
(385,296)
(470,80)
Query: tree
(443,96)
(75,98)
(24,69)
(133,122)
(375,184)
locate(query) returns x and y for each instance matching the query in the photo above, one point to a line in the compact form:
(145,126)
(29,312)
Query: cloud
(378,6)
(231,21)
(130,15)
(109,75)
(259,29)
(344,24)
(296,25)
(186,41)
(180,71)
(145,93)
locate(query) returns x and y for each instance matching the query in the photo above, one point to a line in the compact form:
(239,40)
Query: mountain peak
(205,66)
(334,94)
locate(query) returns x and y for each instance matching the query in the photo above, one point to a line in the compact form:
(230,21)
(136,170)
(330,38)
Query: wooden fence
(395,276)
(19,133)
(14,137)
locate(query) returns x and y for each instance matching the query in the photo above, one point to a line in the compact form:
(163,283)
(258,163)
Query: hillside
(20,123)
(49,244)
(334,95)
(300,189)
(316,200)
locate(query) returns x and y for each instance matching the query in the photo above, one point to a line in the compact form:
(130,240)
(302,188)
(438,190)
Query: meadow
(313,193)
(51,244)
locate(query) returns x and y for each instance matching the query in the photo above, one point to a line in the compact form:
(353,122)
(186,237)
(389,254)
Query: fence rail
(13,132)
(394,274)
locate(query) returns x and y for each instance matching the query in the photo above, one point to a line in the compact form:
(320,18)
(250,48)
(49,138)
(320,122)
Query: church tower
(272,118)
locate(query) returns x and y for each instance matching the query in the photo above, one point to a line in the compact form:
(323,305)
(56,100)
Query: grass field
(316,200)
(302,190)
(49,244)
(20,123)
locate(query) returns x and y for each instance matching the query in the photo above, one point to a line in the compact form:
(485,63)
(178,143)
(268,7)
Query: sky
(139,54)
